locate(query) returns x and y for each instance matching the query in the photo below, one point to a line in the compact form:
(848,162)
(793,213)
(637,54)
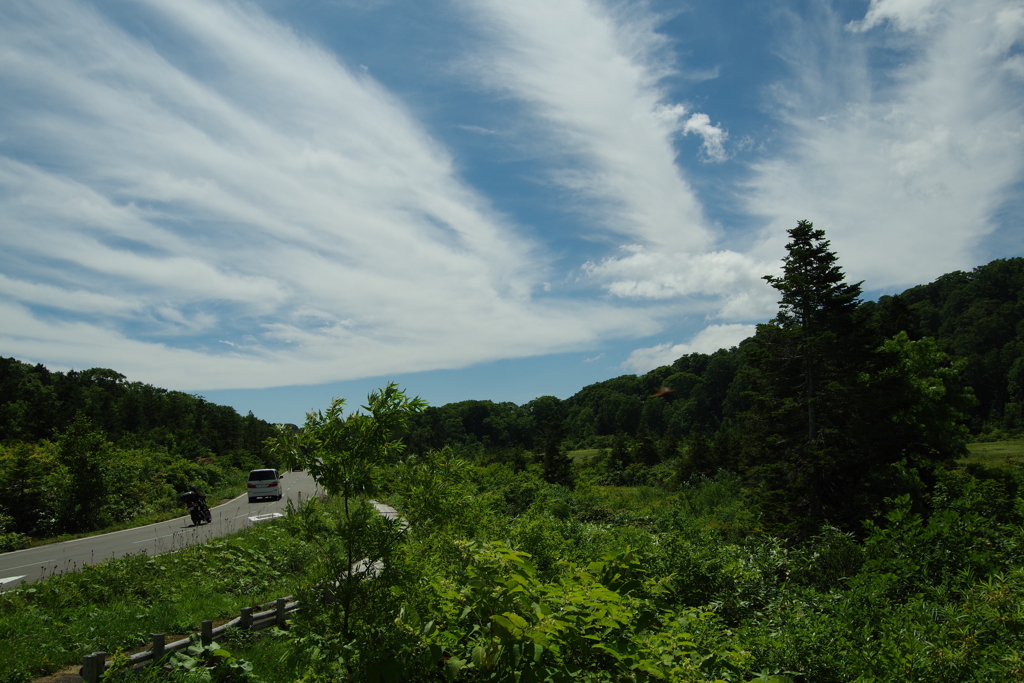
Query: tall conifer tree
(803,369)
(818,309)
(840,420)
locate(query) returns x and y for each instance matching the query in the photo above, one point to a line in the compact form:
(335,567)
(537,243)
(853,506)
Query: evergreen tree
(557,465)
(646,453)
(81,451)
(839,420)
(817,313)
(619,456)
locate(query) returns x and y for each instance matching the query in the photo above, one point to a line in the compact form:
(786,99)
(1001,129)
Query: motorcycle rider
(193,496)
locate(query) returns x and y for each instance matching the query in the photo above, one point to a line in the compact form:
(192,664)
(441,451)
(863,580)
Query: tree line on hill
(81,450)
(827,410)
(976,316)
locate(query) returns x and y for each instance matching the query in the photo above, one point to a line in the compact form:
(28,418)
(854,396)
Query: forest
(800,508)
(85,450)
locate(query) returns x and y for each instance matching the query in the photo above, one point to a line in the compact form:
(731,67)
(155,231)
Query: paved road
(38,563)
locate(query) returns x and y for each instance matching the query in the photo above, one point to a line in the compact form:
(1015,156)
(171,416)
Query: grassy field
(585,455)
(996,453)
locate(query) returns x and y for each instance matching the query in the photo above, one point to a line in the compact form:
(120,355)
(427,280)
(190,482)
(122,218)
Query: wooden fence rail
(93,665)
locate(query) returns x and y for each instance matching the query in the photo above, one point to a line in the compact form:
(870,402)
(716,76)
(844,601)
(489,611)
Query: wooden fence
(96,663)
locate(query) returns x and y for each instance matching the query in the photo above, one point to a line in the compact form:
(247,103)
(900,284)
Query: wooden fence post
(207,636)
(281,614)
(92,666)
(246,622)
(89,674)
(158,646)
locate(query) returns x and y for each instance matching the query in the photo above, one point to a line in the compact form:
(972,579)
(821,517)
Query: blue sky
(271,203)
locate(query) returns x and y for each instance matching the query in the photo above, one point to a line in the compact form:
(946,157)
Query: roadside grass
(996,453)
(118,604)
(268,652)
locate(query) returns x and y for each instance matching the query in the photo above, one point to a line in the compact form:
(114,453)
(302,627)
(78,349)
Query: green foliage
(346,453)
(499,621)
(706,396)
(557,467)
(595,584)
(10,540)
(37,404)
(209,663)
(81,452)
(975,316)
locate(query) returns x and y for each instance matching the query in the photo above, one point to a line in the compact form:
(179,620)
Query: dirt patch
(68,675)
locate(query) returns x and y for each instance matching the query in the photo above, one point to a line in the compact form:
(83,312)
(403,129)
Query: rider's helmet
(195,489)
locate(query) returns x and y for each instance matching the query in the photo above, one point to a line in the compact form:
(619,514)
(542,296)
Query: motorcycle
(200,512)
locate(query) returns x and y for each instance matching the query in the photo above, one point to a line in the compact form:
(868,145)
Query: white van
(264,484)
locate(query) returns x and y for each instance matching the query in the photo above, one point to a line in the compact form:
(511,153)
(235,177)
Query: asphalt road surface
(38,563)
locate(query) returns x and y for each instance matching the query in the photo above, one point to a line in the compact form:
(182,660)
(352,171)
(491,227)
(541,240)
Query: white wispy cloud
(590,74)
(907,15)
(708,340)
(230,206)
(901,135)
(732,282)
(903,165)
(714,137)
(214,200)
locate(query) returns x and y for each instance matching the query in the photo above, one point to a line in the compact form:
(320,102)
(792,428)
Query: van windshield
(262,475)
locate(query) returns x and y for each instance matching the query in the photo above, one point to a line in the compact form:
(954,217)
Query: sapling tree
(345,454)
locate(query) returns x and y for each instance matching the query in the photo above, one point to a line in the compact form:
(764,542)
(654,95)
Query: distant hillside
(978,316)
(36,403)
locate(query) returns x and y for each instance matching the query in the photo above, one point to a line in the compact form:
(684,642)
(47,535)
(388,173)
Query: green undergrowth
(120,603)
(505,578)
(502,577)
